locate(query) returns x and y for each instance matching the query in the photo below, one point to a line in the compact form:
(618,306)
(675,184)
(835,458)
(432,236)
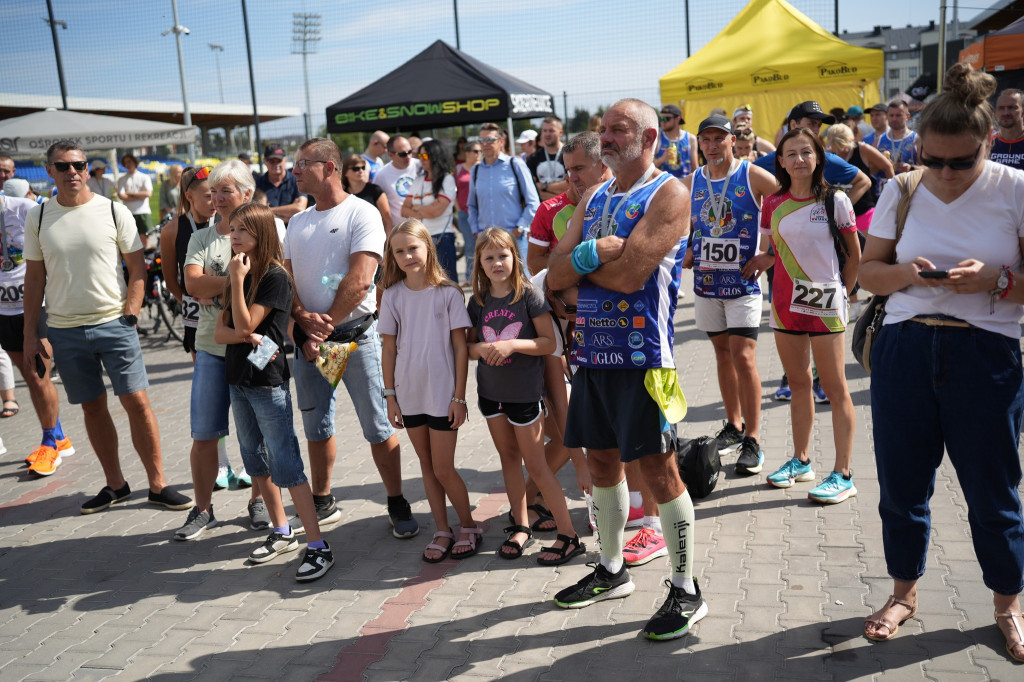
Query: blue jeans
(210,398)
(263,415)
(470,241)
(445,245)
(524,243)
(962,390)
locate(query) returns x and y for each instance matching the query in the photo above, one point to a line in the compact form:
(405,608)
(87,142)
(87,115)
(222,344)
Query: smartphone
(40,366)
(934,274)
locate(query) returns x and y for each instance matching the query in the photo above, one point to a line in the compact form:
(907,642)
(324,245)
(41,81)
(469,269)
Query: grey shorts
(83,353)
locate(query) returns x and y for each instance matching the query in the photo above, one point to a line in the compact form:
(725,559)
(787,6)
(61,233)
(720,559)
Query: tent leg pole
(511,137)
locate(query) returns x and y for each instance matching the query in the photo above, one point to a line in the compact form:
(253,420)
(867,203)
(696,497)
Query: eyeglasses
(304,163)
(961,164)
(569,308)
(201,174)
(358,169)
(422,156)
(490,140)
(472,151)
(403,154)
(63,166)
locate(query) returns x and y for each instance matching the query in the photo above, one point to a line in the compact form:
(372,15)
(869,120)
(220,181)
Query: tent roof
(770,45)
(439,86)
(1001,50)
(32,134)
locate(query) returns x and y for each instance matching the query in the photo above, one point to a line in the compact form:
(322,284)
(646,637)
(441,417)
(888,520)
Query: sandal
(878,619)
(571,546)
(517,549)
(1018,634)
(544,516)
(10,411)
(445,551)
(476,538)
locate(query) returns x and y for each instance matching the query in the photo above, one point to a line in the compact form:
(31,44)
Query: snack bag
(333,359)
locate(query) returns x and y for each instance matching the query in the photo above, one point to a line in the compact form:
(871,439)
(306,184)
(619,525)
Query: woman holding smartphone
(946,367)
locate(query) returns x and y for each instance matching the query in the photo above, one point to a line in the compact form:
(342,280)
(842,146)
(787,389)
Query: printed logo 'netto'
(703,85)
(836,69)
(768,76)
(417,109)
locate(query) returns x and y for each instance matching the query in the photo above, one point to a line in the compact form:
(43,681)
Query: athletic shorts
(610,409)
(518,414)
(411,421)
(142,222)
(738,316)
(12,331)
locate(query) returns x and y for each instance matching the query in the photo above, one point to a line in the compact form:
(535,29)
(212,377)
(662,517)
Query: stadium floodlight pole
(217,49)
(305,34)
(56,51)
(458,43)
(941,66)
(177,30)
(252,83)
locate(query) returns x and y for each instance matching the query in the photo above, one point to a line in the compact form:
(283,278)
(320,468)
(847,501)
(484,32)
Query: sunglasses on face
(569,308)
(422,156)
(961,164)
(403,154)
(358,169)
(274,162)
(665,119)
(490,140)
(63,166)
(472,151)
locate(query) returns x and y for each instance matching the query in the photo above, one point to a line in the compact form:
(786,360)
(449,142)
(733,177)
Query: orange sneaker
(65,447)
(46,462)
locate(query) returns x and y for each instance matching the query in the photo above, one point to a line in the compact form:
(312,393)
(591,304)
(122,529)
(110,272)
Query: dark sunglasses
(961,164)
(665,118)
(403,154)
(569,308)
(63,166)
(358,169)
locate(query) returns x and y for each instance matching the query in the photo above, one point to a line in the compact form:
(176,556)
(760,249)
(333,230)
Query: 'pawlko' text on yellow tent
(772,57)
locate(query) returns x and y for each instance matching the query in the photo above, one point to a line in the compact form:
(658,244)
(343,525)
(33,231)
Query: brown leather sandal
(878,619)
(1017,642)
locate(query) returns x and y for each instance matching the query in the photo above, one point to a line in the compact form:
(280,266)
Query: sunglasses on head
(63,166)
(201,174)
(961,164)
(403,154)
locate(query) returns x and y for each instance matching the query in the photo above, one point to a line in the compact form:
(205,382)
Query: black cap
(880,107)
(672,110)
(810,109)
(716,121)
(273,152)
(244,156)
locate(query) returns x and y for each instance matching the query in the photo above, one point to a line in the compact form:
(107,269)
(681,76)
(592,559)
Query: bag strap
(907,182)
(833,227)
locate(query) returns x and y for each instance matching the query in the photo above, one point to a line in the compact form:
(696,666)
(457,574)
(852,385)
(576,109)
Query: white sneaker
(3,448)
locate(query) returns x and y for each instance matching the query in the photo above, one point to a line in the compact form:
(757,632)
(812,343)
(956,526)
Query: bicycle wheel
(170,311)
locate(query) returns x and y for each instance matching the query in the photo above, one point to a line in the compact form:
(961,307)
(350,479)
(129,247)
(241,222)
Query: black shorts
(411,421)
(142,222)
(12,331)
(189,340)
(745,332)
(610,409)
(518,414)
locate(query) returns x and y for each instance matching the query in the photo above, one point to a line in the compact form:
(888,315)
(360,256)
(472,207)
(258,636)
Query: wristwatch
(388,392)
(133,320)
(1003,281)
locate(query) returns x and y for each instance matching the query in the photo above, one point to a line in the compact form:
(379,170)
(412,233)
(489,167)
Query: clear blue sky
(595,50)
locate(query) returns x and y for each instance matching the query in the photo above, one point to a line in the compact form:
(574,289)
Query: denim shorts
(84,352)
(364,381)
(264,414)
(210,397)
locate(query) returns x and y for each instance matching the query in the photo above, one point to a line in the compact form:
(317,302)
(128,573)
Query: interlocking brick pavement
(788,582)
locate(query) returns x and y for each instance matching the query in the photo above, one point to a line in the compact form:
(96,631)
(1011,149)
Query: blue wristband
(584,257)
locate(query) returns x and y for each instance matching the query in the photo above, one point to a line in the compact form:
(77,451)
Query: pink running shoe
(635,518)
(645,546)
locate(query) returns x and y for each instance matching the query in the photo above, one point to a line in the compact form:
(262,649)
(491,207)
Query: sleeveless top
(681,167)
(723,243)
(627,331)
(185,232)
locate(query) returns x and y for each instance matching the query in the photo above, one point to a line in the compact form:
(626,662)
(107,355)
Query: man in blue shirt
(501,190)
(378,145)
(279,185)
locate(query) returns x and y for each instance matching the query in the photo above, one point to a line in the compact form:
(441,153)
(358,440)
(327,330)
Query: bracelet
(460,401)
(388,392)
(584,257)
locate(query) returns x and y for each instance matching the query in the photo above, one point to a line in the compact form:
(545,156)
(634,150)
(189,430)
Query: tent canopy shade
(32,134)
(772,57)
(439,87)
(1001,50)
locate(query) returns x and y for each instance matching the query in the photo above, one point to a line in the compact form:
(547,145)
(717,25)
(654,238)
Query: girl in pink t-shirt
(423,322)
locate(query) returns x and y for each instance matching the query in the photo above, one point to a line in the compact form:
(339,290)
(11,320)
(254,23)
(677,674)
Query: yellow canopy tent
(772,57)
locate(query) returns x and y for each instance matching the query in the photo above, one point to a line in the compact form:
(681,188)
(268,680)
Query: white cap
(16,187)
(527,136)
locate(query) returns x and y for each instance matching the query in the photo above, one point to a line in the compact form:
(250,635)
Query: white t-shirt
(281,228)
(320,243)
(102,185)
(211,251)
(12,260)
(985,223)
(81,247)
(538,283)
(423,322)
(422,193)
(136,182)
(396,183)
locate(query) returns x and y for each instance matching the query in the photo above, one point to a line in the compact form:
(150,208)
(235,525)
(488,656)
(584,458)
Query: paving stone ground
(111,595)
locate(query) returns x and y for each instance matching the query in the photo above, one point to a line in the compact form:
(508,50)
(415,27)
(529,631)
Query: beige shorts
(716,315)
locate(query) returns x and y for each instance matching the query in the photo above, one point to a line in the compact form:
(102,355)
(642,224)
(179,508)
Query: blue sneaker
(790,472)
(833,490)
(242,479)
(819,393)
(784,393)
(224,477)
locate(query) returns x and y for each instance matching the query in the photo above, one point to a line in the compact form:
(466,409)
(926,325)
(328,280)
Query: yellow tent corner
(772,57)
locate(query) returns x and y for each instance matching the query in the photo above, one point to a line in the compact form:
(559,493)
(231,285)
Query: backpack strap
(833,227)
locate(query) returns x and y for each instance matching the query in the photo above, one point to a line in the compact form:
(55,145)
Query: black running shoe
(729,438)
(315,563)
(598,586)
(751,459)
(675,617)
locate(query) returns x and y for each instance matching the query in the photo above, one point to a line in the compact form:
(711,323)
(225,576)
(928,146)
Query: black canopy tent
(439,87)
